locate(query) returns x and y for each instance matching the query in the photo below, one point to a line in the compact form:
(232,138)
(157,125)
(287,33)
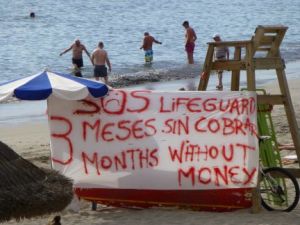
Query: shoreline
(15,111)
(187,72)
(151,74)
(26,118)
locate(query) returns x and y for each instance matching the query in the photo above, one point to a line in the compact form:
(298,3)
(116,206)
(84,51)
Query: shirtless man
(77,49)
(147,46)
(190,38)
(99,59)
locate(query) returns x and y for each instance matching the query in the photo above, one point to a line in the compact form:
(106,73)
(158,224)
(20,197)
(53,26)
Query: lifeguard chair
(260,53)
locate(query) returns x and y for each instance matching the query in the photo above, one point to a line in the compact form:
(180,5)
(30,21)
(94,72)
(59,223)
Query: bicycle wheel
(279,190)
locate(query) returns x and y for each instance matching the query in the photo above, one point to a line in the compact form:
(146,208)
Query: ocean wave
(155,75)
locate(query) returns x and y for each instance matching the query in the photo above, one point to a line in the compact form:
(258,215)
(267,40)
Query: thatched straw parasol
(27,191)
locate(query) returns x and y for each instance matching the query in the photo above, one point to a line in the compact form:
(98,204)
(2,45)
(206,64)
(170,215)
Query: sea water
(29,45)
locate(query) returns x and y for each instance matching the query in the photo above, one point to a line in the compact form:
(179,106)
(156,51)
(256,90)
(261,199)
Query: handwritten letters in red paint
(179,140)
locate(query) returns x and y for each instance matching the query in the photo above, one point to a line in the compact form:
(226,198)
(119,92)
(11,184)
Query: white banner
(156,140)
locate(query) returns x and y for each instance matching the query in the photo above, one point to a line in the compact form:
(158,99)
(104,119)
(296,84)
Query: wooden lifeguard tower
(260,53)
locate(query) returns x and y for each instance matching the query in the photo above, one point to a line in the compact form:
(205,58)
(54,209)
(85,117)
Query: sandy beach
(31,140)
(33,45)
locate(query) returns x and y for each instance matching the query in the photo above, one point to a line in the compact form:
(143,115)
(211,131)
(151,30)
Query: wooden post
(256,205)
(289,110)
(206,68)
(274,50)
(250,68)
(256,202)
(256,39)
(235,77)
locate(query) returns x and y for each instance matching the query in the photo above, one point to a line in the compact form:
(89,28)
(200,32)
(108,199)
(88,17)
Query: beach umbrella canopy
(27,191)
(40,86)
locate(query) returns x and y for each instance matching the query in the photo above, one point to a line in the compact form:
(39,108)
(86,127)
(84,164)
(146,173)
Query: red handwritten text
(120,130)
(216,176)
(130,159)
(235,106)
(189,152)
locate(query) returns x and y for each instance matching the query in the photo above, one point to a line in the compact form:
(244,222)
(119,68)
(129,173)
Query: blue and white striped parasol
(40,86)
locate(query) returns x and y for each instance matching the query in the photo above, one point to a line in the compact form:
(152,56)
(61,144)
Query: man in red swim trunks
(190,38)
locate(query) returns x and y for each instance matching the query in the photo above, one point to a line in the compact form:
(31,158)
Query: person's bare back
(99,57)
(190,35)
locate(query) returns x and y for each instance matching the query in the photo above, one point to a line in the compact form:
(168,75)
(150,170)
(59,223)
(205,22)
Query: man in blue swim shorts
(147,46)
(148,56)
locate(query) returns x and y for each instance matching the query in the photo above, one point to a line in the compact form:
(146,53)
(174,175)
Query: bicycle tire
(285,201)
